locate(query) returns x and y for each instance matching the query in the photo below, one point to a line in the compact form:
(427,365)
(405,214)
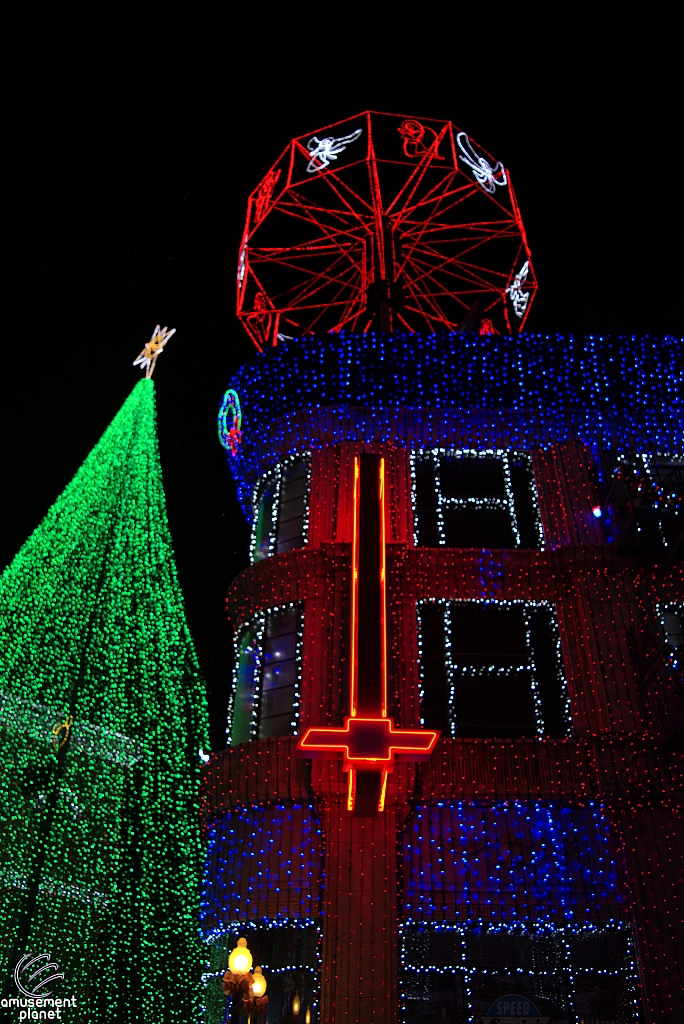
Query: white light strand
(675,609)
(258,625)
(510,499)
(448,669)
(505,503)
(272,479)
(414,502)
(467,671)
(306,513)
(255,645)
(415,970)
(534,683)
(275,475)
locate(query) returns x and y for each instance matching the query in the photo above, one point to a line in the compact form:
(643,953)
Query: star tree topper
(148,357)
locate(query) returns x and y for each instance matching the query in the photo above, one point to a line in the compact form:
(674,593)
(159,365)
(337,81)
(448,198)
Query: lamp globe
(258,983)
(240,960)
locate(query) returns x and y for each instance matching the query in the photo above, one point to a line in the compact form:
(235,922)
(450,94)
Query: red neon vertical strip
(351,788)
(383,791)
(354,652)
(383,625)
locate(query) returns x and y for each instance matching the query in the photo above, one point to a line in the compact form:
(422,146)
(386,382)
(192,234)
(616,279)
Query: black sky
(131,146)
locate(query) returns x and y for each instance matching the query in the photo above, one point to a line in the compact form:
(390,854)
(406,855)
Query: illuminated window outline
(276,474)
(529,666)
(506,503)
(258,623)
(537,929)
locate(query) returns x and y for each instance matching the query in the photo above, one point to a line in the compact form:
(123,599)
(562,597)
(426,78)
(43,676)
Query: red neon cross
(369,740)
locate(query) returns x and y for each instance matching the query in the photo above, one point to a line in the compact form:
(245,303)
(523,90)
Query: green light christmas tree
(102,716)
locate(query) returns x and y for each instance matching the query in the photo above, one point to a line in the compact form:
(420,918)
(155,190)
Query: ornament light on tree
(147,360)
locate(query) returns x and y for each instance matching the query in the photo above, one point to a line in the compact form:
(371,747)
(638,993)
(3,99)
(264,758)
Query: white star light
(149,355)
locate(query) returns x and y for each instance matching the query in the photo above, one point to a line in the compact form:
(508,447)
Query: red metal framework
(383,222)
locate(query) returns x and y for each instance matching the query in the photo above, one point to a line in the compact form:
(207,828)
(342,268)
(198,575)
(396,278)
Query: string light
(511,501)
(458,391)
(263,873)
(549,697)
(524,838)
(555,960)
(277,526)
(103,863)
(248,718)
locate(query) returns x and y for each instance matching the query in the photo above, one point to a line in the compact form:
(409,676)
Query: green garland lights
(102,714)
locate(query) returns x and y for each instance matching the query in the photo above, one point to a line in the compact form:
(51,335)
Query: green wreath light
(230,422)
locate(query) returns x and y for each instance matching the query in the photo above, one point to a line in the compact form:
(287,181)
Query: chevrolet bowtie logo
(368,742)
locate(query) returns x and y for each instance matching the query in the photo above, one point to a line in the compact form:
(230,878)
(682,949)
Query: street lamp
(246,990)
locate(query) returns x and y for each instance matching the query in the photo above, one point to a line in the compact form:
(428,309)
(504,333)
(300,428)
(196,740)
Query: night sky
(129,152)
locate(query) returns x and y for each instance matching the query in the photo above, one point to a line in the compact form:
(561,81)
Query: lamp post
(247,990)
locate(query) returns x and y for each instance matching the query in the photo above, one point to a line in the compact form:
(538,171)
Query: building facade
(532,604)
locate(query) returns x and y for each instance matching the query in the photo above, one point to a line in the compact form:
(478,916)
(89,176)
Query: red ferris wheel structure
(383,223)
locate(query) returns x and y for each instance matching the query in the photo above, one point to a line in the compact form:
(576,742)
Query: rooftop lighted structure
(471,541)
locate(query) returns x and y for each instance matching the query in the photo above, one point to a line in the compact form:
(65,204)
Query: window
(280,508)
(266,687)
(472,499)
(458,973)
(646,500)
(492,669)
